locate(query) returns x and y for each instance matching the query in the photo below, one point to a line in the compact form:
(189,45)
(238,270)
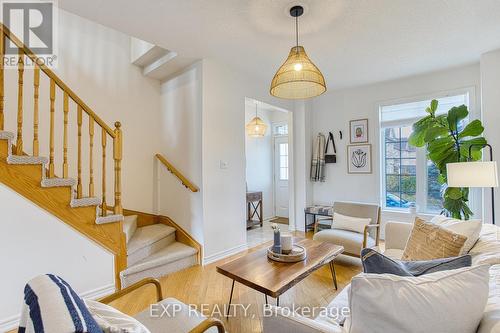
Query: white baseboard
(223,254)
(10,323)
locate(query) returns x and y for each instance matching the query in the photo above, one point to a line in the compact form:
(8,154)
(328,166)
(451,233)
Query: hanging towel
(318,159)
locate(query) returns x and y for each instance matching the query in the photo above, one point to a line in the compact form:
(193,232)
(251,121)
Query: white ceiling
(353,42)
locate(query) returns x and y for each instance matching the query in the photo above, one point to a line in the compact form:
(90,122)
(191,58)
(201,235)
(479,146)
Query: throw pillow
(430,241)
(470,229)
(377,263)
(445,302)
(351,223)
(113,321)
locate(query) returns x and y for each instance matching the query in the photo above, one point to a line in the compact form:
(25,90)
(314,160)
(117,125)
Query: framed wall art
(359,159)
(358,130)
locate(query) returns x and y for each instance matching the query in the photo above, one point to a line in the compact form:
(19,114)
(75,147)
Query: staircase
(143,245)
(153,251)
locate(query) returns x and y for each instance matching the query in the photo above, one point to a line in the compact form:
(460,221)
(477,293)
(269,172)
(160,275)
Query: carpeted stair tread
(58,182)
(5,135)
(129,226)
(109,219)
(28,160)
(85,202)
(167,255)
(148,235)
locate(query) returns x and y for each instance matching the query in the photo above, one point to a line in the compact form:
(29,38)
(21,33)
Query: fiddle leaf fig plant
(447,141)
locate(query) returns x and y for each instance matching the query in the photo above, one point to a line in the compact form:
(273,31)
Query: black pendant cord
(297,34)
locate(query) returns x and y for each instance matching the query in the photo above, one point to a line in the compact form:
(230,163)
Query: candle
(286,244)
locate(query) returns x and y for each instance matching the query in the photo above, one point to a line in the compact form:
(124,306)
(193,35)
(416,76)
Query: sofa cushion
(470,229)
(487,248)
(377,263)
(113,321)
(394,253)
(490,323)
(446,302)
(171,315)
(283,320)
(430,241)
(337,311)
(351,223)
(351,241)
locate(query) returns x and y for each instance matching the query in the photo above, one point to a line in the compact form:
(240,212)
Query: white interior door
(281,201)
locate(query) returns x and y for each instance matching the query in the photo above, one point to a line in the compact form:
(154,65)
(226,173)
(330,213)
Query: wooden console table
(254,208)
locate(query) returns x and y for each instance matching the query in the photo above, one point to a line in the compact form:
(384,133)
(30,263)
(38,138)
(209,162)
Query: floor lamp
(475,174)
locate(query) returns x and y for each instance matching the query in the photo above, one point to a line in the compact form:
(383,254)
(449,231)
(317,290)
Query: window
(283,149)
(400,168)
(408,177)
(280,129)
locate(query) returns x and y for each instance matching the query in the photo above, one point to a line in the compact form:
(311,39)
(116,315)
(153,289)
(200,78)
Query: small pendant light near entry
(298,77)
(256,128)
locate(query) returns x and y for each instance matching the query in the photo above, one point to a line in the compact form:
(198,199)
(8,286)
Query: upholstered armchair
(183,322)
(364,231)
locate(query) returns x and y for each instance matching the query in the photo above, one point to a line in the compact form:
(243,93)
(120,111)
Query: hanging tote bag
(330,158)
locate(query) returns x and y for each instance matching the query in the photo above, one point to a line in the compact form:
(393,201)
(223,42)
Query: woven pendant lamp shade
(256,128)
(298,77)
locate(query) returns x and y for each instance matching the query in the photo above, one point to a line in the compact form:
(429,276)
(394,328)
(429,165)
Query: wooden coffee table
(257,271)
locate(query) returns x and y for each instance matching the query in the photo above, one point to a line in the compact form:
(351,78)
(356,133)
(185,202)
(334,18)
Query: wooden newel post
(117,156)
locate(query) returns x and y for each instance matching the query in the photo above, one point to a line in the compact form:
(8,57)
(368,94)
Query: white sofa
(485,251)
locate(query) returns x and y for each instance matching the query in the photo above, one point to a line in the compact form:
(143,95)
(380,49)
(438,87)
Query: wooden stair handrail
(188,184)
(110,236)
(56,79)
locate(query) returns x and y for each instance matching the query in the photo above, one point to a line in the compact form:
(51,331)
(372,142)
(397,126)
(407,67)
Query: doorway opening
(268,170)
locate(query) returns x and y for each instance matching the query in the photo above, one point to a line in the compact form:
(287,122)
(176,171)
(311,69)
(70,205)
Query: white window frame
(475,195)
(274,125)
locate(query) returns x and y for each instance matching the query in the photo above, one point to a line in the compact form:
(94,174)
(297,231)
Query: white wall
(302,150)
(94,61)
(28,250)
(180,135)
(490,92)
(224,92)
(332,112)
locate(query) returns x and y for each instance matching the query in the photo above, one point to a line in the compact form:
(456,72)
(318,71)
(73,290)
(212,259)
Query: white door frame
(291,172)
(277,140)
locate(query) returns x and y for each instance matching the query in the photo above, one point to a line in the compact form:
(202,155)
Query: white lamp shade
(472,174)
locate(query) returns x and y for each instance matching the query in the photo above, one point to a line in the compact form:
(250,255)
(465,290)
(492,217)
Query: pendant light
(298,77)
(256,127)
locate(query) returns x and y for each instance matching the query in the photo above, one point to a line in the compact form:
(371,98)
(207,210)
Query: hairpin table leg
(334,274)
(230,299)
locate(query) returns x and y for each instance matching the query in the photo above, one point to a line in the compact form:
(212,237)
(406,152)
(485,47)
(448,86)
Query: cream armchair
(396,236)
(183,322)
(353,241)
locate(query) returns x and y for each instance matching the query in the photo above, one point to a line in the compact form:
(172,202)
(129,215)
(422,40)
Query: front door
(281,176)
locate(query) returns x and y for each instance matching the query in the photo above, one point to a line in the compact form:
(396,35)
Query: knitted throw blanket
(51,306)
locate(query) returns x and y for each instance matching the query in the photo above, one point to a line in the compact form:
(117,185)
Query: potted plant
(446,141)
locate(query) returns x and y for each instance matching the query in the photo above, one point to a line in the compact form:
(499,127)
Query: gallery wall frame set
(358,131)
(359,159)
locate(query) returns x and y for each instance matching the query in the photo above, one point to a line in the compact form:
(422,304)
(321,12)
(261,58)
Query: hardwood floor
(203,285)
